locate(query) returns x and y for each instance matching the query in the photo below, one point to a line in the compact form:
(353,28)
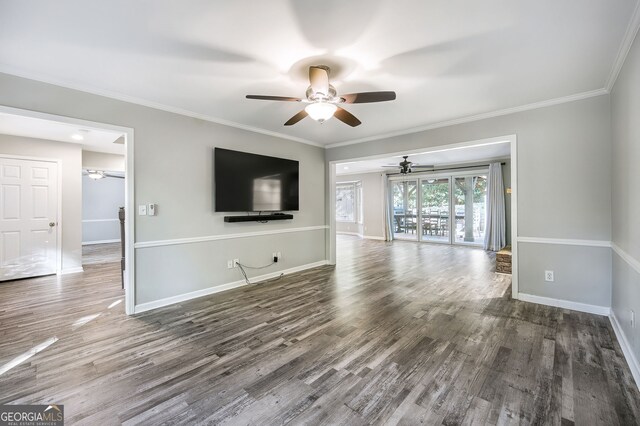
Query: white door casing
(28,218)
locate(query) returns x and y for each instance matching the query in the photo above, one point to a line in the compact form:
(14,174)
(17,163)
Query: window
(345,202)
(349,202)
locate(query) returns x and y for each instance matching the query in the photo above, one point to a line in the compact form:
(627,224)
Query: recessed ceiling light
(77,137)
(346,167)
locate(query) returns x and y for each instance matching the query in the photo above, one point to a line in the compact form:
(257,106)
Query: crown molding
(137,101)
(625,47)
(6,69)
(477,117)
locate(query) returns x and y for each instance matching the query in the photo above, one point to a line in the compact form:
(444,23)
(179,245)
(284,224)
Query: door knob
(52,224)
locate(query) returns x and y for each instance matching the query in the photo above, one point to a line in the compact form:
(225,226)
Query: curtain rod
(447,168)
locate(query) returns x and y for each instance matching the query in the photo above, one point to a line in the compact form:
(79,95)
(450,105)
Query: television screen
(253,183)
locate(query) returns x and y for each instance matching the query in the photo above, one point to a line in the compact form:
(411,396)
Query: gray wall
(100,202)
(102,161)
(373,205)
(625,111)
(70,156)
(173,168)
(564,182)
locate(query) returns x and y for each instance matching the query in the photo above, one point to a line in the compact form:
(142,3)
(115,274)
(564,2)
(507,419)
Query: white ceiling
(92,139)
(441,158)
(445,60)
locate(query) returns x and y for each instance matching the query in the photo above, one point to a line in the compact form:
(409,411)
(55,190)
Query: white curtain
(388,209)
(495,234)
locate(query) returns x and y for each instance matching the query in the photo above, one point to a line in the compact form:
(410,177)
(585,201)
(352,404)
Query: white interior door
(28,218)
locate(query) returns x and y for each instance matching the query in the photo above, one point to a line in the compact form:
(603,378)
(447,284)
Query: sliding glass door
(445,208)
(405,203)
(434,210)
(470,195)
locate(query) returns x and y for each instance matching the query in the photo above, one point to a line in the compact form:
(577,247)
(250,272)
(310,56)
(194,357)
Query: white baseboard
(143,307)
(71,271)
(566,304)
(89,243)
(355,234)
(631,359)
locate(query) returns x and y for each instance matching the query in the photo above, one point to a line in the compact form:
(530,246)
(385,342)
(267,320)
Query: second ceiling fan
(323,99)
(406,166)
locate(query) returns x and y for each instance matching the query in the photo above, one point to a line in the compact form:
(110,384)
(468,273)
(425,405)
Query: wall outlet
(142,210)
(548,276)
(151,209)
(279,256)
(235,262)
(229,264)
(633,319)
(274,256)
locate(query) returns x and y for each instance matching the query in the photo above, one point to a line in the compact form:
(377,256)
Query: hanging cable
(244,273)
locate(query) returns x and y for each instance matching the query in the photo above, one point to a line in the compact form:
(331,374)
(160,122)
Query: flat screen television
(247,182)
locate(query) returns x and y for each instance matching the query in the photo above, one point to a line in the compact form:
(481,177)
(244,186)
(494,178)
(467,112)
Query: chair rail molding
(191,240)
(635,264)
(565,241)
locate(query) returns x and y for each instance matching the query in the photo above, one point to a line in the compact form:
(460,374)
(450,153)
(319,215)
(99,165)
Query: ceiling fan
(99,174)
(406,166)
(323,99)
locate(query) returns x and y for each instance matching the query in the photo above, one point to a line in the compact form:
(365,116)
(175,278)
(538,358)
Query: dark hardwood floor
(397,333)
(101,253)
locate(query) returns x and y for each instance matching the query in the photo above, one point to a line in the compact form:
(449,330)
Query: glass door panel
(470,196)
(435,209)
(405,205)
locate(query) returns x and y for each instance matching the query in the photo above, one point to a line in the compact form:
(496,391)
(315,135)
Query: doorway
(466,215)
(37,133)
(103,200)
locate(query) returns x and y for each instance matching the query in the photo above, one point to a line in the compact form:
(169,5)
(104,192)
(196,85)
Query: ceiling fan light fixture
(95,174)
(321,111)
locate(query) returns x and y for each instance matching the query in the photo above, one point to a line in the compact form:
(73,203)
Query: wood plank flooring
(397,333)
(93,254)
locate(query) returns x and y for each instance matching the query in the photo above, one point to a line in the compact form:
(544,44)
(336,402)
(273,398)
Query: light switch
(142,210)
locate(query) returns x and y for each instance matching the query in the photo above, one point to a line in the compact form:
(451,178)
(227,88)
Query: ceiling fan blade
(299,116)
(319,79)
(274,98)
(367,97)
(346,117)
